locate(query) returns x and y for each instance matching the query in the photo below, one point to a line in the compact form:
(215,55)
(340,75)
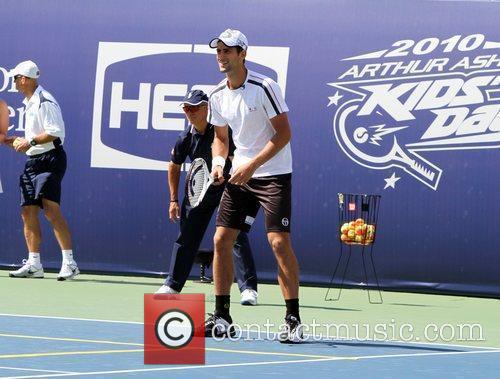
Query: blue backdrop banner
(388,97)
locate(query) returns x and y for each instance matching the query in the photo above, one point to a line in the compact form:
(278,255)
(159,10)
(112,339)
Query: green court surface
(409,317)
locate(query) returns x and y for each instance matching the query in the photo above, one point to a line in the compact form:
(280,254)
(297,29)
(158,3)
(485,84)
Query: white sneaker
(27,271)
(249,297)
(68,271)
(164,289)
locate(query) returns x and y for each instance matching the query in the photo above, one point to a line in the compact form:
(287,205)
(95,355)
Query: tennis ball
(344,228)
(370,231)
(359,238)
(360,221)
(352,224)
(343,237)
(351,234)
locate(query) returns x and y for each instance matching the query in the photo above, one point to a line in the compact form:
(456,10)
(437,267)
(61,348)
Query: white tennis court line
(32,369)
(225,365)
(170,368)
(88,341)
(72,319)
(429,344)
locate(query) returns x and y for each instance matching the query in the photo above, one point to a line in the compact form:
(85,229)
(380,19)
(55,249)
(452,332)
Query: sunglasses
(192,108)
(17,77)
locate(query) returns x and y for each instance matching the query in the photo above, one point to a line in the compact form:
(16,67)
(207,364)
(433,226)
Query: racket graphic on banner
(354,138)
(198,181)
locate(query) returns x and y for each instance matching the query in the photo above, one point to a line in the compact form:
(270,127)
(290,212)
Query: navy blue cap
(195,97)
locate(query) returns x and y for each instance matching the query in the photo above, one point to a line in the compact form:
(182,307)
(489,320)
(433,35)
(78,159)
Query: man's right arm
(220,149)
(174,174)
(178,156)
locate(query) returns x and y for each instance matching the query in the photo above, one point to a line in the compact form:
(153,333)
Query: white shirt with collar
(42,115)
(247,110)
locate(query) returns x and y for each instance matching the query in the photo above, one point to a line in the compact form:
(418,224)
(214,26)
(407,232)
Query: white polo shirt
(42,115)
(248,110)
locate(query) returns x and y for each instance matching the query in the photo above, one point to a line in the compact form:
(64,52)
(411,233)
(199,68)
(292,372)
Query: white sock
(34,259)
(67,256)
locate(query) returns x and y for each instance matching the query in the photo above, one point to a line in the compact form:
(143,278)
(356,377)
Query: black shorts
(42,177)
(239,204)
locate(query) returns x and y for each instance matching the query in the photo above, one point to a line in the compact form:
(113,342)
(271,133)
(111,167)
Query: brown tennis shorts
(239,204)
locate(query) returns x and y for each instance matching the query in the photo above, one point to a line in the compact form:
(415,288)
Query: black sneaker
(291,330)
(217,326)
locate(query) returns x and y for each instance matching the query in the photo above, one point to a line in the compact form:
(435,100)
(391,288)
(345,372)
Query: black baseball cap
(195,97)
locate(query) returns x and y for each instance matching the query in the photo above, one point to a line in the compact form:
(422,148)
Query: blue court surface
(44,347)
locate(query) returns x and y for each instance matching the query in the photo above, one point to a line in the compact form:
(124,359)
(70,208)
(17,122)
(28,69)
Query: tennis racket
(198,181)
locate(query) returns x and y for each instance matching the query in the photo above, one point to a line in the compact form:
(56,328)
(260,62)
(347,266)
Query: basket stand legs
(364,254)
(337,291)
(337,266)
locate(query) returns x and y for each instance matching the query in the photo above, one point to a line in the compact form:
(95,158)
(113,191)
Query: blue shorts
(42,177)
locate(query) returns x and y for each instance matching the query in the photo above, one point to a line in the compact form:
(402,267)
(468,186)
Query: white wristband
(218,161)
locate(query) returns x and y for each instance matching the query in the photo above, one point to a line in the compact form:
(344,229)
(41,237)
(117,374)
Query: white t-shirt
(42,115)
(248,110)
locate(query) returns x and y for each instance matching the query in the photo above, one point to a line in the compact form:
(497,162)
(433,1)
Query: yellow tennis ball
(344,228)
(359,230)
(351,234)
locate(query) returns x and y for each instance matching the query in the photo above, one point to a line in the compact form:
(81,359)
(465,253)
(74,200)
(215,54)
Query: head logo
(284,221)
(138,89)
(389,109)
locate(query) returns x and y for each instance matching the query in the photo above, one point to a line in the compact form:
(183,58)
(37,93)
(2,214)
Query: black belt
(57,147)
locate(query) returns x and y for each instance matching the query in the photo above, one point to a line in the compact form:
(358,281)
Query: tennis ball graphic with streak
(361,135)
(351,234)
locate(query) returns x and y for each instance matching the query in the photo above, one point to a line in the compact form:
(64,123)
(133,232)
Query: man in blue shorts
(196,142)
(40,182)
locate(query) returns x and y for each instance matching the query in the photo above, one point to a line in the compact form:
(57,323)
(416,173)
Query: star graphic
(391,182)
(335,99)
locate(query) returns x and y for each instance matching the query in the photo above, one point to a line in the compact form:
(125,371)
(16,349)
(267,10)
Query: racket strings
(197,182)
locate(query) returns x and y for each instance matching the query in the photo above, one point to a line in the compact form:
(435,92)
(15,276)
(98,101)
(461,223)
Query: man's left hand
(243,174)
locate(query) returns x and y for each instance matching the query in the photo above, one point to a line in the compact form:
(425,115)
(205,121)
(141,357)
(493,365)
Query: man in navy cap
(196,142)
